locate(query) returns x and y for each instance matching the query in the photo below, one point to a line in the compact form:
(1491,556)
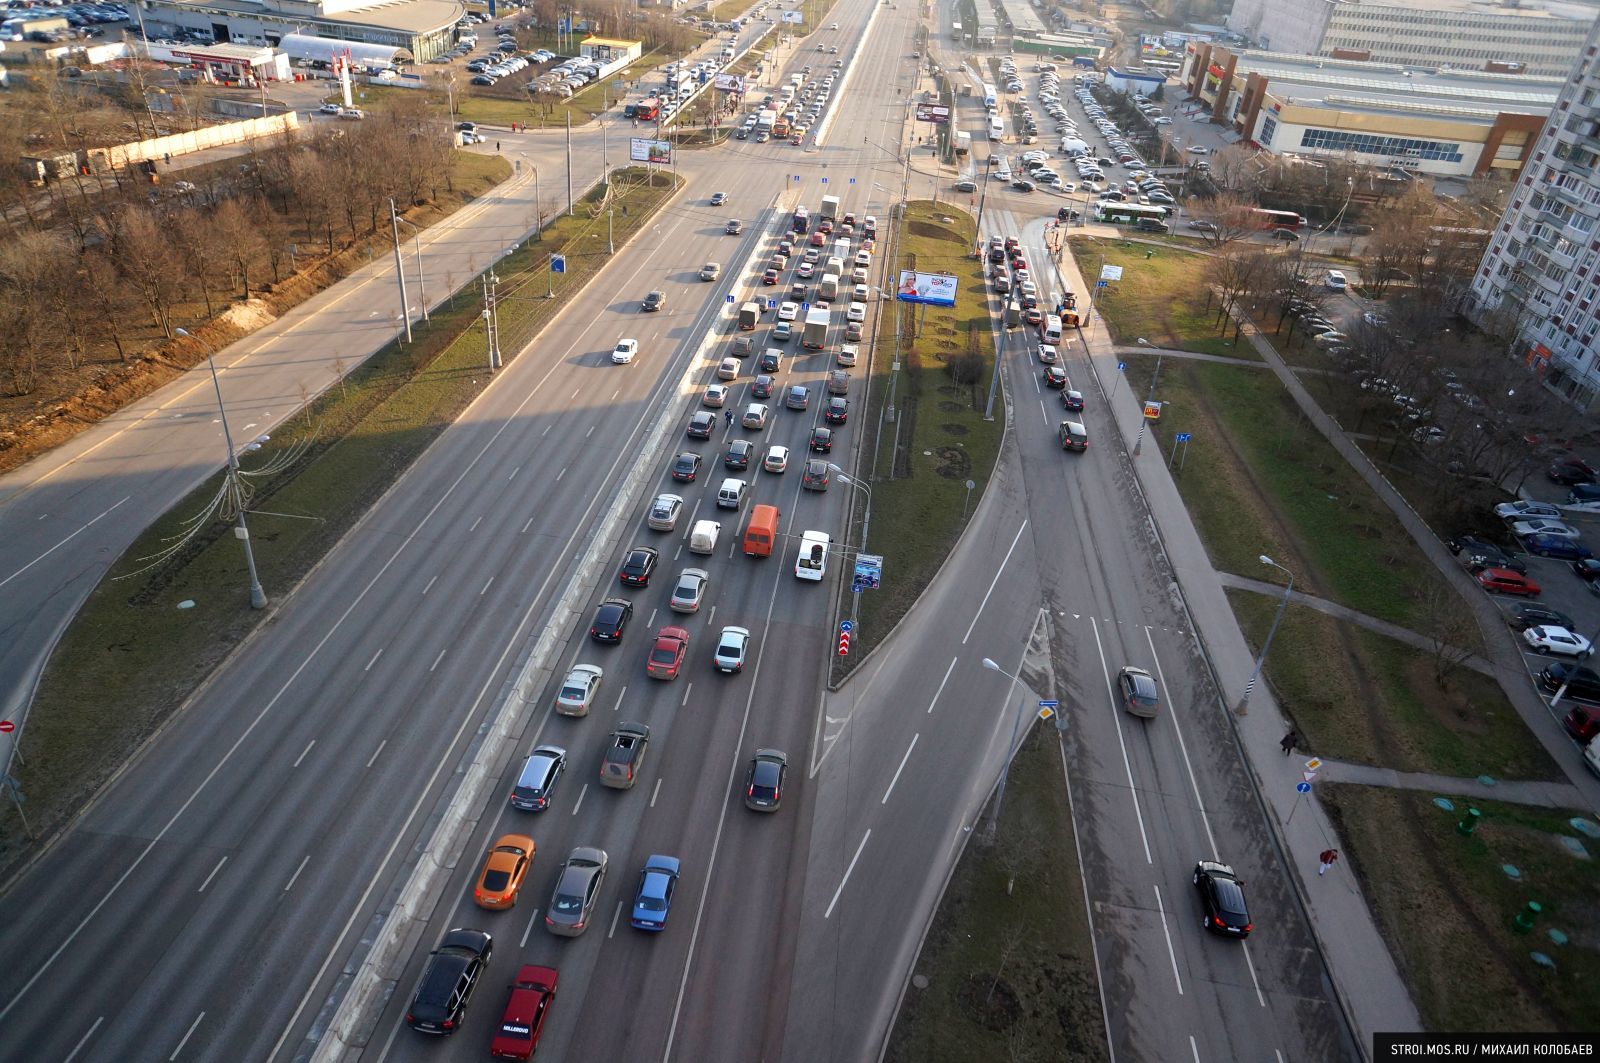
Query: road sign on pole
(844,644)
(847,625)
(1302,787)
(1049,703)
(558,263)
(6,726)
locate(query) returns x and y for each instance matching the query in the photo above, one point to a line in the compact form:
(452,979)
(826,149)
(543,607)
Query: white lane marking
(303,753)
(437,659)
(528,525)
(1183,749)
(375,752)
(711,617)
(83,528)
(685,700)
(652,621)
(560,474)
(1116,719)
(852,867)
(475,524)
(579,802)
(1165,929)
(614,917)
(296,876)
(513,475)
(192,1027)
(1194,1049)
(901,768)
(1044,413)
(374,660)
(533,918)
(620,695)
(590,432)
(486,587)
(656,792)
(997,573)
(83,1040)
(211,876)
(1250,963)
(435,579)
(935,699)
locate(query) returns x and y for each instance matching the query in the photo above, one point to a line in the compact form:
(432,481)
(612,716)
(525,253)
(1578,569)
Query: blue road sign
(1182,437)
(1122,367)
(824,180)
(730,298)
(805,306)
(558,263)
(1099,284)
(1302,788)
(852,180)
(794,177)
(847,625)
(1049,704)
(771,303)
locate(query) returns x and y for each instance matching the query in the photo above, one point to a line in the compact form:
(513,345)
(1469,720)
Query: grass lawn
(1446,905)
(938,439)
(114,678)
(1361,696)
(1161,296)
(1008,958)
(1254,463)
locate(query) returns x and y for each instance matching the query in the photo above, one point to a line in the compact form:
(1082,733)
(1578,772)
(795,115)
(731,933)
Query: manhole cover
(921,980)
(1511,871)
(1585,827)
(1445,803)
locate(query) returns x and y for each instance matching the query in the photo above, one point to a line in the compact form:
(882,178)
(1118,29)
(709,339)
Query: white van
(812,563)
(996,129)
(731,494)
(1050,331)
(1334,280)
(703,537)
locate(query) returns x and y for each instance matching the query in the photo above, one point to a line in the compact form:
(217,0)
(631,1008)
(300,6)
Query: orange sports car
(503,871)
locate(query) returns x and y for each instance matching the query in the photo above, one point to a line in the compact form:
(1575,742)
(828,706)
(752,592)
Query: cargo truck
(815,336)
(829,289)
(764,120)
(963,142)
(830,209)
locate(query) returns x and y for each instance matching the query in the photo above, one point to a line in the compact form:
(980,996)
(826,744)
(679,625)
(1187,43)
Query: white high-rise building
(1540,277)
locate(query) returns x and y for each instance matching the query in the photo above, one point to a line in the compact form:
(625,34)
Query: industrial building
(1539,275)
(1540,37)
(1457,123)
(406,30)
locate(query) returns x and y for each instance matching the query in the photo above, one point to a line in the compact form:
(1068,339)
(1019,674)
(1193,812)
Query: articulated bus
(1127,213)
(1276,219)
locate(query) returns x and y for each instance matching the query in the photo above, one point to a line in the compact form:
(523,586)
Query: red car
(1505,581)
(1019,263)
(818,238)
(1032,316)
(531,996)
(666,656)
(1582,723)
(770,277)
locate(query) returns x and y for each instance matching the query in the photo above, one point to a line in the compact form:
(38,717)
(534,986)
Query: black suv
(686,466)
(654,301)
(1222,898)
(638,566)
(1529,615)
(1480,554)
(611,620)
(447,982)
(1583,684)
(1570,471)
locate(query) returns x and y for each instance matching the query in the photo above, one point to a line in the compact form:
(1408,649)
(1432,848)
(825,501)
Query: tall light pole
(422,288)
(1244,701)
(866,525)
(1138,439)
(1011,748)
(399,269)
(258,597)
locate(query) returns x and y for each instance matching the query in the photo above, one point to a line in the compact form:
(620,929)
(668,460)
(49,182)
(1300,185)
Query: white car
(716,396)
(664,510)
(1523,509)
(1048,354)
(1543,526)
(1557,640)
(788,311)
(579,690)
(728,369)
(857,312)
(624,351)
(777,459)
(689,590)
(330,108)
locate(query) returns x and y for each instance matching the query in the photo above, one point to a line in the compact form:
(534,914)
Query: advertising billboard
(937,289)
(642,150)
(794,16)
(933,112)
(730,83)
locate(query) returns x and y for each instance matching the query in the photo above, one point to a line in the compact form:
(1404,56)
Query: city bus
(1276,219)
(990,97)
(648,110)
(1127,213)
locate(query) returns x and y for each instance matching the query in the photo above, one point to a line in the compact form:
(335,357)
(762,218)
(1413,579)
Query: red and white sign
(844,644)
(6,727)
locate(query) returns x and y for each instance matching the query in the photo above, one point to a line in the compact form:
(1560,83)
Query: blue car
(1560,546)
(653,902)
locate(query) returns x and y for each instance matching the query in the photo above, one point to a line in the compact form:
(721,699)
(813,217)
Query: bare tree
(143,255)
(1235,169)
(1228,214)
(239,239)
(1453,636)
(197,242)
(111,297)
(25,277)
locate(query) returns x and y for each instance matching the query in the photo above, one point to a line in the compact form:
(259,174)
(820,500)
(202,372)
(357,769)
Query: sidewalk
(1515,791)
(1364,974)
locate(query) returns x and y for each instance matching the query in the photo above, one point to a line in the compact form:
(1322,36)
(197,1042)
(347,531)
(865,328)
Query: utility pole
(491,318)
(611,243)
(569,164)
(399,272)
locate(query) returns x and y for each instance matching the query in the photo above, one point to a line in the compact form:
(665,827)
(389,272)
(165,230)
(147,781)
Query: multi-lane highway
(227,889)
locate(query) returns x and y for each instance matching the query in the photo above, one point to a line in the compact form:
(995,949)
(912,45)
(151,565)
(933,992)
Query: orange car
(504,871)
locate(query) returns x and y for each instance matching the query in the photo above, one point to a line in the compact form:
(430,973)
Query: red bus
(1277,219)
(648,110)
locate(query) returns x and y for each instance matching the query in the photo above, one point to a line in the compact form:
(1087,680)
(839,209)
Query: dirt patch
(954,463)
(991,1002)
(950,407)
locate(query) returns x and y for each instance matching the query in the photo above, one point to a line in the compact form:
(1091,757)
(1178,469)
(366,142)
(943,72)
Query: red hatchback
(666,656)
(531,996)
(770,277)
(1505,581)
(1582,723)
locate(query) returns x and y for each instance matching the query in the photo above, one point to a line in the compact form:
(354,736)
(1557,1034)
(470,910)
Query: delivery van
(812,562)
(731,494)
(1335,281)
(1050,329)
(703,537)
(761,532)
(828,291)
(749,316)
(835,266)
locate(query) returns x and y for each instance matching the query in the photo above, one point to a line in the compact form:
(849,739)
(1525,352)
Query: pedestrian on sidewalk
(1289,741)
(1326,860)
(497,145)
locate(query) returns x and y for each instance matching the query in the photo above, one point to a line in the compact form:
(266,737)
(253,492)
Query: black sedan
(738,455)
(611,620)
(639,566)
(653,302)
(1480,554)
(1529,615)
(702,424)
(454,970)
(686,466)
(821,440)
(1222,898)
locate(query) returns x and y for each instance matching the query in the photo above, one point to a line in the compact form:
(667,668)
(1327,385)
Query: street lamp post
(1138,439)
(1011,748)
(1244,701)
(422,289)
(866,525)
(399,268)
(258,597)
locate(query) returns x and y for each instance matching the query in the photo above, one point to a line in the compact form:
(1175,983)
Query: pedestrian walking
(497,145)
(1289,741)
(1326,860)
(727,415)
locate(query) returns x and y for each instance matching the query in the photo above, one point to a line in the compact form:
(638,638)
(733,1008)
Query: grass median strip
(131,656)
(1008,959)
(937,438)
(1161,296)
(1446,903)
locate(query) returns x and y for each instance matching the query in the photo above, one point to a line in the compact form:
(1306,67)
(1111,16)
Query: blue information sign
(558,263)
(1182,437)
(730,298)
(1048,703)
(847,625)
(771,303)
(1302,788)
(1121,366)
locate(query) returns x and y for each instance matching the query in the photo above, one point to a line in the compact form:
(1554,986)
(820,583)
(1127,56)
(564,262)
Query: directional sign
(558,263)
(730,297)
(1122,367)
(847,625)
(1099,284)
(804,307)
(6,727)
(1182,437)
(868,573)
(1049,704)
(852,180)
(1302,787)
(771,303)
(844,644)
